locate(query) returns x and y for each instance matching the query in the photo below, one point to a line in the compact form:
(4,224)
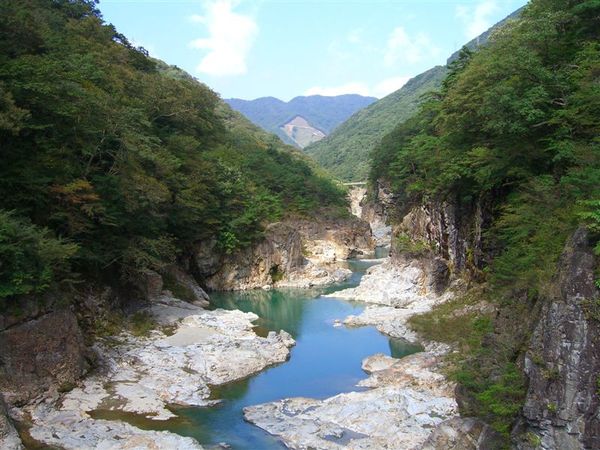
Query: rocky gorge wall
(45,342)
(375,208)
(555,339)
(294,253)
(452,230)
(562,363)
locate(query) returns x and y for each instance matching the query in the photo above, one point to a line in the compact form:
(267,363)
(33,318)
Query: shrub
(31,259)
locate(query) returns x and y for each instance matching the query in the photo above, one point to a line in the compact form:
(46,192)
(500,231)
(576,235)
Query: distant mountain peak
(302,132)
(321,114)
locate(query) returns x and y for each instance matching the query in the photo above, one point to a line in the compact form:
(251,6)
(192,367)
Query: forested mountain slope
(503,167)
(321,112)
(112,163)
(346,152)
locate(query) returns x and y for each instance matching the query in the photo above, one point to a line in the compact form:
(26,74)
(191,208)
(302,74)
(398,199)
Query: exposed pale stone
(463,433)
(356,195)
(390,284)
(143,375)
(293,254)
(9,438)
(73,429)
(312,275)
(408,399)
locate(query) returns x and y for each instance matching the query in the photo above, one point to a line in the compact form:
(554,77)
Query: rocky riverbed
(174,365)
(406,398)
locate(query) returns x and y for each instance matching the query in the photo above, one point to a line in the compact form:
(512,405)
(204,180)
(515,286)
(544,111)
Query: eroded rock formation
(40,354)
(292,254)
(562,408)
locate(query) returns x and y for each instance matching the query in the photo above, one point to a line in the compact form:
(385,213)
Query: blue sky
(284,48)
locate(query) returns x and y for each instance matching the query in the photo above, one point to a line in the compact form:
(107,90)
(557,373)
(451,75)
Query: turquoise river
(325,361)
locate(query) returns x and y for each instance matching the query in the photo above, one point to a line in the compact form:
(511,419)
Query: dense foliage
(112,161)
(323,113)
(347,152)
(516,123)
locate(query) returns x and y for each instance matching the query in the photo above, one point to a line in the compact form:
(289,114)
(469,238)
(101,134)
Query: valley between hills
(180,271)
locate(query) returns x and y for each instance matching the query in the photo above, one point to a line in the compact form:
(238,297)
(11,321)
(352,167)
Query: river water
(325,361)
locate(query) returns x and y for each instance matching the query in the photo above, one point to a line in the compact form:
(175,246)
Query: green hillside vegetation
(516,123)
(323,113)
(345,152)
(114,163)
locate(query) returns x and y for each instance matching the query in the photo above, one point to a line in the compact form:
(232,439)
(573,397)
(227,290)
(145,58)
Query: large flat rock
(143,375)
(407,400)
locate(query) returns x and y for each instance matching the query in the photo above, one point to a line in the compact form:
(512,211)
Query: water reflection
(274,308)
(325,361)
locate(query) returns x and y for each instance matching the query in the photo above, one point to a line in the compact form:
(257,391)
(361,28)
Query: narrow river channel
(325,361)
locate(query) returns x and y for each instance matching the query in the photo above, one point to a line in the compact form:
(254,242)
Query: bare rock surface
(72,429)
(356,196)
(312,275)
(39,355)
(562,406)
(463,433)
(9,438)
(390,284)
(143,375)
(406,400)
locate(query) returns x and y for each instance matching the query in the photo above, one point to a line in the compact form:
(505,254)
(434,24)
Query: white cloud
(476,19)
(355,36)
(348,88)
(378,90)
(406,49)
(231,36)
(388,86)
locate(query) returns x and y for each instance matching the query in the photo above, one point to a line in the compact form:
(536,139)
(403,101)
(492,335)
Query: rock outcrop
(41,354)
(454,231)
(562,407)
(356,196)
(279,253)
(375,209)
(463,433)
(292,254)
(9,438)
(400,282)
(406,399)
(328,241)
(143,375)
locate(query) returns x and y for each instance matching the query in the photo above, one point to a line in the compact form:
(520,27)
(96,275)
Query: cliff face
(40,353)
(556,343)
(562,408)
(292,253)
(452,230)
(280,252)
(9,438)
(375,210)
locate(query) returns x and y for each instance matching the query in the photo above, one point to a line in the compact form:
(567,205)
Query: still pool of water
(325,361)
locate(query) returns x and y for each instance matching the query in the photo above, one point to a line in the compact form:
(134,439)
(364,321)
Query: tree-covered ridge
(515,127)
(112,162)
(323,113)
(346,152)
